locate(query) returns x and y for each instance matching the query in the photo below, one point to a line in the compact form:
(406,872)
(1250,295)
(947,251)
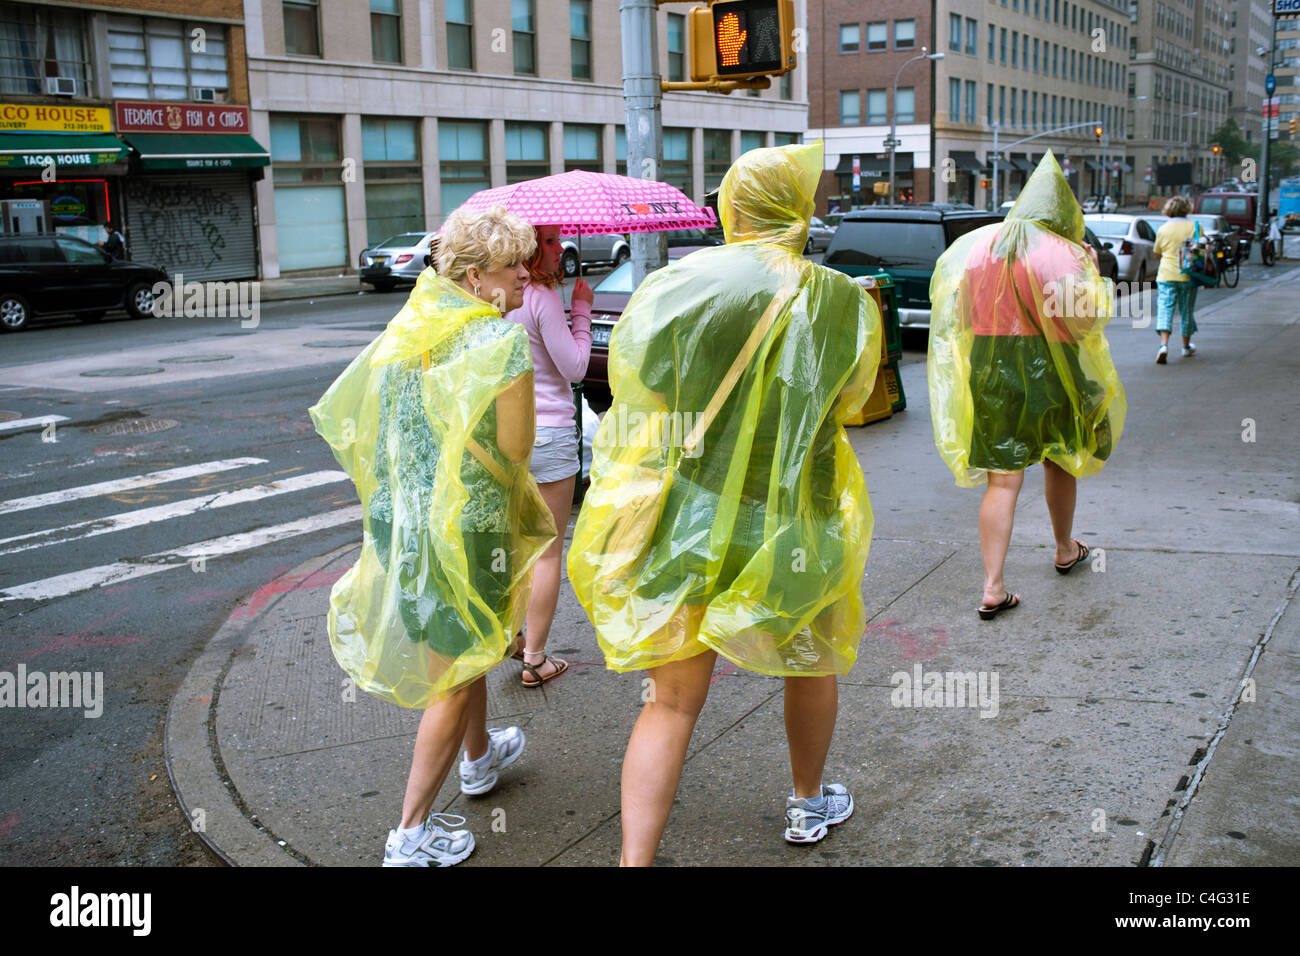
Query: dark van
(904,242)
(1238,208)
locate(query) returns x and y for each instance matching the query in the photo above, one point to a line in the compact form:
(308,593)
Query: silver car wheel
(13,313)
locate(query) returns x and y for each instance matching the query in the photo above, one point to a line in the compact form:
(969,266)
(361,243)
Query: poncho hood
(1048,200)
(768,195)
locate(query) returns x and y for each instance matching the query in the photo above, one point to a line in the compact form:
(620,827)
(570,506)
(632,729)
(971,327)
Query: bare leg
(436,745)
(811,704)
(652,766)
(1060,489)
(558,496)
(997,514)
(477,740)
(1164,338)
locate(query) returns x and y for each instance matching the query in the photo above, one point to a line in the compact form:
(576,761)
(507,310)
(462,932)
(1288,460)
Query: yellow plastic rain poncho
(726,508)
(1019,367)
(452,525)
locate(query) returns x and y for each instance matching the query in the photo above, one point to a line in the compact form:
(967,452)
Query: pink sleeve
(569,350)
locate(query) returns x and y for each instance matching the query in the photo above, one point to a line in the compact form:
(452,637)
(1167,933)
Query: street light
(892,143)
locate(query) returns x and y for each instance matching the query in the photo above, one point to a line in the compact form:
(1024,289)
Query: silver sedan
(1132,240)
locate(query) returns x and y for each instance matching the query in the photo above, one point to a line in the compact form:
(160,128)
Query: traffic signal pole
(1261,201)
(643,119)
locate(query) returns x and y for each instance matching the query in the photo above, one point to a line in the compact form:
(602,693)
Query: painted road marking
(18,423)
(126,484)
(173,509)
(64,584)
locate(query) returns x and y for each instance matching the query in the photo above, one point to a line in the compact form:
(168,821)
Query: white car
(1132,240)
(1102,204)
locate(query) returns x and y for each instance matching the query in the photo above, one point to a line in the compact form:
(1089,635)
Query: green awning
(66,150)
(198,150)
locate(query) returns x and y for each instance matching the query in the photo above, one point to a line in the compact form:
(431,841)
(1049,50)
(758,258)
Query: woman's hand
(582,292)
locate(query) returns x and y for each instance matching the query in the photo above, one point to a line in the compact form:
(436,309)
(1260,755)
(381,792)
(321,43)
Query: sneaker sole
(448,861)
(818,833)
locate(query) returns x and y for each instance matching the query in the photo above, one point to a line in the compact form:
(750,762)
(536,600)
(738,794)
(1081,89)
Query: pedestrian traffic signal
(738,39)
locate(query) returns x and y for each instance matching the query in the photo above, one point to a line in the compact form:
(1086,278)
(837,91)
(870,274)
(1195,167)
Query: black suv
(58,275)
(904,242)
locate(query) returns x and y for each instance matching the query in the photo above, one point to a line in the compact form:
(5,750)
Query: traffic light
(1295,126)
(739,39)
(1097,132)
(1216,149)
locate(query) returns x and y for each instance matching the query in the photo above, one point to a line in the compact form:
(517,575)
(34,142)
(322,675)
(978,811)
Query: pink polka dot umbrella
(587,204)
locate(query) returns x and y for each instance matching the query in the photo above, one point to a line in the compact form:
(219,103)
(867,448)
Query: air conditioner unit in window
(205,94)
(60,86)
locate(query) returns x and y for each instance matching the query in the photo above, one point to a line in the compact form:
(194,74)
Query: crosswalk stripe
(18,423)
(126,484)
(173,509)
(64,584)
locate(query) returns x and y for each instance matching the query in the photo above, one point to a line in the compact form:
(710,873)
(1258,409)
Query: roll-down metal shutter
(199,225)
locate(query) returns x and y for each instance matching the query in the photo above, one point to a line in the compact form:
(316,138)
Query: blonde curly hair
(489,239)
(1177,206)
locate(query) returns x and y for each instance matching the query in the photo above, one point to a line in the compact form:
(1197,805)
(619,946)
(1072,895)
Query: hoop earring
(476,288)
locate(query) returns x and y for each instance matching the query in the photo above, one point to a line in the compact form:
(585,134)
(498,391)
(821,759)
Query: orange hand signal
(730,40)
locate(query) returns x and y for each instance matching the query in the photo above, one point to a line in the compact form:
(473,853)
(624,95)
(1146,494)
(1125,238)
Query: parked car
(690,239)
(1236,207)
(1214,227)
(42,276)
(595,249)
(398,259)
(903,242)
(1103,204)
(819,236)
(1132,239)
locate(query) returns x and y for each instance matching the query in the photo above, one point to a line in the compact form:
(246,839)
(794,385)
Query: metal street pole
(643,119)
(996,154)
(1261,198)
(891,144)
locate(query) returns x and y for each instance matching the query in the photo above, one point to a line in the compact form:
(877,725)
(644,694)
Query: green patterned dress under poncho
(452,526)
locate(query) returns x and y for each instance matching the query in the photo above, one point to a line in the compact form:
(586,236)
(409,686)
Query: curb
(192,753)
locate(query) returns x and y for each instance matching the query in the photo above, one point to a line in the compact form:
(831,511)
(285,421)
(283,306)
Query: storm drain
(123,371)
(137,426)
(197,358)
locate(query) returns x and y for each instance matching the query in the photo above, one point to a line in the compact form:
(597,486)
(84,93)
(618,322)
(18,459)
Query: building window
(676,47)
(717,156)
(1033,112)
(390,150)
(877,107)
(1002,106)
(992,35)
(785,139)
(970,102)
(1035,54)
(905,105)
(850,38)
(580,38)
(677,160)
(38,42)
(309,216)
(155,59)
(850,108)
(523,26)
(750,140)
(954,32)
(385,31)
(460,34)
(620,150)
(526,154)
(582,148)
(954,100)
(1015,42)
(1002,43)
(877,36)
(904,34)
(1013,106)
(989,102)
(301,27)
(972,36)
(462,161)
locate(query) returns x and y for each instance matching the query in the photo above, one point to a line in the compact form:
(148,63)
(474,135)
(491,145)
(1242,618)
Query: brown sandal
(538,679)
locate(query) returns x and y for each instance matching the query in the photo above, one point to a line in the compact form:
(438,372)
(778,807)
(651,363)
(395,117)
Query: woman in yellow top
(1174,289)
(727,512)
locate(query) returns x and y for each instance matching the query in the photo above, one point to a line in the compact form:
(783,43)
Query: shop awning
(1021,162)
(967,162)
(1123,166)
(1093,164)
(872,165)
(68,151)
(198,150)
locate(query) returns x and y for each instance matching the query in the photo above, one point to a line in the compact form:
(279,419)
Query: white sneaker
(432,846)
(1189,350)
(479,777)
(808,821)
(1163,355)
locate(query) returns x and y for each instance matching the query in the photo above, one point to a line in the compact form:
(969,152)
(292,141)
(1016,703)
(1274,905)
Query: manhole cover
(10,416)
(198,358)
(335,345)
(138,426)
(124,370)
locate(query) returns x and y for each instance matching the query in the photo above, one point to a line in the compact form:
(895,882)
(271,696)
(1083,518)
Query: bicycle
(1225,262)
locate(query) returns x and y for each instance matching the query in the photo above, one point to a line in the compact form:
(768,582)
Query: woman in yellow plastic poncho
(434,422)
(1019,368)
(727,513)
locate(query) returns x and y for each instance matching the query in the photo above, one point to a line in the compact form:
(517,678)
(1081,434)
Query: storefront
(67,158)
(872,169)
(188,203)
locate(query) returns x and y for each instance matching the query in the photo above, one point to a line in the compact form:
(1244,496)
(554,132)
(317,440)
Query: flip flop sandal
(1008,602)
(538,679)
(1084,551)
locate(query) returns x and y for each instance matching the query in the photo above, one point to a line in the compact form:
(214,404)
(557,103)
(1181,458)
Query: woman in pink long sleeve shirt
(560,356)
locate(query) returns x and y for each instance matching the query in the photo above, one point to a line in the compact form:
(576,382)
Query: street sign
(1270,84)
(1286,8)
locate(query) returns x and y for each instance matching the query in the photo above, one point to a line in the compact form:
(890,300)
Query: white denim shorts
(555,453)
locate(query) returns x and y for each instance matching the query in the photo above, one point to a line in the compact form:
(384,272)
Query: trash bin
(884,400)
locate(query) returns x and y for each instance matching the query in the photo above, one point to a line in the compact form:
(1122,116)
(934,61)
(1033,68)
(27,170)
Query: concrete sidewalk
(1122,735)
